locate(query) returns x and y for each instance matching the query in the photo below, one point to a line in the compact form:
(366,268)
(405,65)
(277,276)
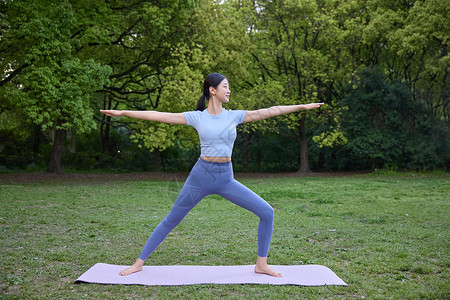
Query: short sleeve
(192,117)
(239,116)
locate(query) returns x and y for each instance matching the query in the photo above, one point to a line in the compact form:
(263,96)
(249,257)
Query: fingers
(109,113)
(314,105)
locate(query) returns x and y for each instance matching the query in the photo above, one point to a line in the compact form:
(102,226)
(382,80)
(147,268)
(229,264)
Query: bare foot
(263,268)
(136,267)
(268,271)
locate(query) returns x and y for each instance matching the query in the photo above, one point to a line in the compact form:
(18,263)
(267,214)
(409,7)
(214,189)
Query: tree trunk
(245,152)
(36,142)
(105,127)
(73,143)
(304,162)
(104,135)
(156,160)
(259,160)
(54,165)
(302,140)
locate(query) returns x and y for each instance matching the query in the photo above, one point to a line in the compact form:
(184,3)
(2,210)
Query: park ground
(385,234)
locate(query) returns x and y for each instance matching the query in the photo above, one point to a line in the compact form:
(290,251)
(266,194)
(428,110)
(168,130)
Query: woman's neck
(214,107)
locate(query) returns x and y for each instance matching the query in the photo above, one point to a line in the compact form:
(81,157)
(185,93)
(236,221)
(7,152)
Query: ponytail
(213,79)
(201,104)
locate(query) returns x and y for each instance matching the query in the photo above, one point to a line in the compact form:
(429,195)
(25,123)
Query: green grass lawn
(386,236)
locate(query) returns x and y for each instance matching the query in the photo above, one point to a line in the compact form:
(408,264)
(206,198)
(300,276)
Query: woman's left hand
(312,105)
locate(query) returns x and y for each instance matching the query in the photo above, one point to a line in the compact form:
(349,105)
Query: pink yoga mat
(304,275)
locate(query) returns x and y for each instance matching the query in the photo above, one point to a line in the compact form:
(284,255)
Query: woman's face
(222,92)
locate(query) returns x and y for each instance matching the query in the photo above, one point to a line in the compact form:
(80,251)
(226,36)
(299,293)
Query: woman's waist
(217,159)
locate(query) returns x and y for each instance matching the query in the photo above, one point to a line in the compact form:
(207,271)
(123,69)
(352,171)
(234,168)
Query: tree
(303,46)
(386,128)
(67,61)
(209,39)
(41,75)
(139,41)
(408,40)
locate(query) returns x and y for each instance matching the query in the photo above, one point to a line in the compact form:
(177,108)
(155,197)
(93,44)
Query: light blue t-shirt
(217,133)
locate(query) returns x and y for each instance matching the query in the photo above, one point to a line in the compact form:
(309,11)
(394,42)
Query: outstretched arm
(150,115)
(264,113)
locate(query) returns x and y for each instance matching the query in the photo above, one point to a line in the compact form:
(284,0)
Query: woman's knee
(175,216)
(170,222)
(268,213)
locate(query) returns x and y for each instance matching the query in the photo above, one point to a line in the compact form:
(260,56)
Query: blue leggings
(208,178)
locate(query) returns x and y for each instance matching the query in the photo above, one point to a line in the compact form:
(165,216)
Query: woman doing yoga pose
(213,172)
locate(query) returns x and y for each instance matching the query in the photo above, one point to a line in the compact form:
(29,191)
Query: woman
(213,173)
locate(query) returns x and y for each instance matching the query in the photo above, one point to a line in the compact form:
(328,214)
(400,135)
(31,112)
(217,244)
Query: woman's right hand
(112,113)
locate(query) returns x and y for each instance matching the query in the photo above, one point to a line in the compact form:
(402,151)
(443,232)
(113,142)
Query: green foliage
(172,47)
(409,41)
(263,94)
(385,127)
(331,137)
(55,89)
(267,152)
(125,156)
(177,94)
(63,61)
(62,93)
(303,46)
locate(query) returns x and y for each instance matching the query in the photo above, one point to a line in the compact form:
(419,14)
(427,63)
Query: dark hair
(213,79)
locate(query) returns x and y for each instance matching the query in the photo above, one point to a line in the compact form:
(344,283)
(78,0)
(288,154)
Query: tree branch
(268,72)
(14,73)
